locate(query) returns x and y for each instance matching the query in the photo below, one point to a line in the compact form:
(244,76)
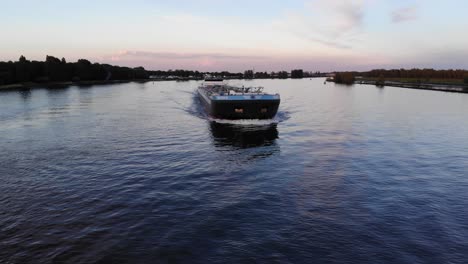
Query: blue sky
(236,35)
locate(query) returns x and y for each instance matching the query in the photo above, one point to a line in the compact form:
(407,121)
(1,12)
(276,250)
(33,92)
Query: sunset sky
(316,35)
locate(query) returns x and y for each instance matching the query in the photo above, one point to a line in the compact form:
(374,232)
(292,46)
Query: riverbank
(419,80)
(32,85)
(455,87)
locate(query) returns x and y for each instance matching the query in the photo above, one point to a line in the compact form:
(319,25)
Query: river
(137,173)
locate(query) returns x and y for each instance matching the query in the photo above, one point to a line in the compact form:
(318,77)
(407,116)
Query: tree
(37,71)
(283,75)
(249,74)
(22,70)
(7,73)
(261,75)
(140,73)
(297,74)
(55,69)
(22,59)
(83,71)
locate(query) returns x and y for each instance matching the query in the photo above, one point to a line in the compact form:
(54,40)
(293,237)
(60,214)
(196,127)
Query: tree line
(422,74)
(418,74)
(59,70)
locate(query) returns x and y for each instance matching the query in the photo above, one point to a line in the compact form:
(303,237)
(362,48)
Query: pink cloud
(332,23)
(239,63)
(171,60)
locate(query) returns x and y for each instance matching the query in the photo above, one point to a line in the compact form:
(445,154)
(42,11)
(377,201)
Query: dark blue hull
(240,107)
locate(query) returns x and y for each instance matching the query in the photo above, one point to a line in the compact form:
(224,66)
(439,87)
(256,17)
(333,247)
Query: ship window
(264,110)
(239,110)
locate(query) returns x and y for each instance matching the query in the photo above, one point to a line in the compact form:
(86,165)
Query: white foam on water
(245,122)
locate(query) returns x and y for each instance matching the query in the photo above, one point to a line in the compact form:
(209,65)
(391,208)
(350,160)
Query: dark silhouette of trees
(83,70)
(262,75)
(56,69)
(22,70)
(140,73)
(422,74)
(413,75)
(315,74)
(249,74)
(22,59)
(37,71)
(283,75)
(297,74)
(7,72)
(59,70)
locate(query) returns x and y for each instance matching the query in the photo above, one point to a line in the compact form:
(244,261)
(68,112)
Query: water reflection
(243,136)
(25,94)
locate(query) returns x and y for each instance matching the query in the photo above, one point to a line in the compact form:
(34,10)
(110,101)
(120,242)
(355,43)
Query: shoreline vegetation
(54,72)
(425,79)
(25,74)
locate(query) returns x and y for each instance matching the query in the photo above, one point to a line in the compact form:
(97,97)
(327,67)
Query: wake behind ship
(230,102)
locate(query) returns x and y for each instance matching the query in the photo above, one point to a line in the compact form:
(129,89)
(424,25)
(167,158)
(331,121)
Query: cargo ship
(230,102)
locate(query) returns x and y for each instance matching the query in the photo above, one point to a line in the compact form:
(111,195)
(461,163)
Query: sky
(210,35)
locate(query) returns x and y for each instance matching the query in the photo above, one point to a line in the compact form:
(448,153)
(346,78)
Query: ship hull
(240,107)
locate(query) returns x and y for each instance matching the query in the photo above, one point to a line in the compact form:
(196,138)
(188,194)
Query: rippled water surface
(137,173)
